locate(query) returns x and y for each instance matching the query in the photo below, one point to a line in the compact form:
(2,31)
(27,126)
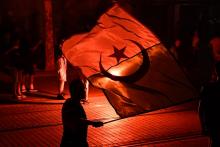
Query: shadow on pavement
(42,94)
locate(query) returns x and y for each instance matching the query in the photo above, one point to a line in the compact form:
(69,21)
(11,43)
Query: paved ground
(36,121)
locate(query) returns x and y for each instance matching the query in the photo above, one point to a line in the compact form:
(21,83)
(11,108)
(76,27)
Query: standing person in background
(186,47)
(209,98)
(61,69)
(86,83)
(210,93)
(208,107)
(193,55)
(29,68)
(75,122)
(215,46)
(16,59)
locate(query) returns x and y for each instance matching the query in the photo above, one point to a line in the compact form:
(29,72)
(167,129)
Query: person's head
(187,38)
(58,53)
(77,90)
(61,43)
(195,40)
(215,45)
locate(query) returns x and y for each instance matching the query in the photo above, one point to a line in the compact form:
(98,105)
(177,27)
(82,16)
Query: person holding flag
(75,122)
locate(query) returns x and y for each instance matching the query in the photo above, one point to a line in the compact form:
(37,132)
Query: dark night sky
(74,16)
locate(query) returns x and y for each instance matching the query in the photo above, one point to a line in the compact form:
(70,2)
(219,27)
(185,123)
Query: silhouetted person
(209,99)
(209,112)
(62,71)
(29,67)
(74,72)
(16,59)
(193,55)
(75,123)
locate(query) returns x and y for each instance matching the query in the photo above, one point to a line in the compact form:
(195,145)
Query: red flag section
(127,61)
(112,32)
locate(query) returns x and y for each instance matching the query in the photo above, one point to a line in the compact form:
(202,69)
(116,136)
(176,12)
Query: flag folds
(130,64)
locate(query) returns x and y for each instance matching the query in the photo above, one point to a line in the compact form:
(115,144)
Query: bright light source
(115,72)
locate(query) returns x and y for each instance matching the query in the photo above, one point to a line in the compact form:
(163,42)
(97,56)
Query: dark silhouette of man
(209,99)
(75,123)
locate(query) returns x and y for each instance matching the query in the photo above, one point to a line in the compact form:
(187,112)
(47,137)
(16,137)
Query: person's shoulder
(68,101)
(69,104)
(211,87)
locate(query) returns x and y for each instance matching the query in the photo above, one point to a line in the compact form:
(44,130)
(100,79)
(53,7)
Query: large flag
(131,65)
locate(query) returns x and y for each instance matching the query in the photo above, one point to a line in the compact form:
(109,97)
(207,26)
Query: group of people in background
(19,60)
(18,55)
(197,50)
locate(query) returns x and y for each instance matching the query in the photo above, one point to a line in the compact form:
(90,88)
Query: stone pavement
(36,121)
